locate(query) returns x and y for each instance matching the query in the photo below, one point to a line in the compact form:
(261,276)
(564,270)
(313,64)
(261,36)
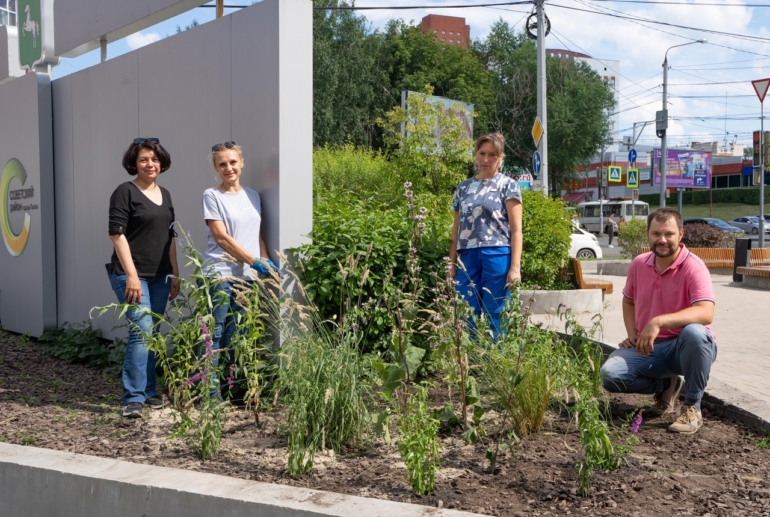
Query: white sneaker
(611,246)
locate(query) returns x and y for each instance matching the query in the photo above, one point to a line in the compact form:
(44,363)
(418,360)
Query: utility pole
(762,175)
(663,138)
(542,27)
(664,113)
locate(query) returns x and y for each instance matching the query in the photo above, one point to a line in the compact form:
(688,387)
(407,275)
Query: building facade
(8,12)
(451,30)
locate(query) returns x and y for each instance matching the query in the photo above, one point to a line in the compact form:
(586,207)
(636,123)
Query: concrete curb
(47,483)
(548,302)
(725,401)
(613,267)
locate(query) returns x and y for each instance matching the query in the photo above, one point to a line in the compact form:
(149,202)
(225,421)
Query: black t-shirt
(148,228)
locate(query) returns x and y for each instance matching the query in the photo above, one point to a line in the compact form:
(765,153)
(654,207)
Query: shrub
(359,172)
(347,230)
(81,343)
(704,236)
(547,229)
(632,237)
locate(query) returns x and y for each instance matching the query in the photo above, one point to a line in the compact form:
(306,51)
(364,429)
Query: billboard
(691,169)
(462,110)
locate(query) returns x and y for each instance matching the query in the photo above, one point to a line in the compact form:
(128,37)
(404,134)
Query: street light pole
(663,138)
(541,93)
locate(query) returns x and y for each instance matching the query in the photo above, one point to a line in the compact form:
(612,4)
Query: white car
(584,245)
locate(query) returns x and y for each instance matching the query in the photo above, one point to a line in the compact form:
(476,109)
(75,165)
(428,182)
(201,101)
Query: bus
(588,212)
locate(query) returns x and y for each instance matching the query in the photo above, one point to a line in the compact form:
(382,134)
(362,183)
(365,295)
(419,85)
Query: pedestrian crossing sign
(632,178)
(614,173)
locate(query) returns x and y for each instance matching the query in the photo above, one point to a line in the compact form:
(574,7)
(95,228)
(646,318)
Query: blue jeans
(139,364)
(483,281)
(690,354)
(225,311)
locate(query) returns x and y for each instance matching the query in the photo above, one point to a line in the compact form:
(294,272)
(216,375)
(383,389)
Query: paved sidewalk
(741,373)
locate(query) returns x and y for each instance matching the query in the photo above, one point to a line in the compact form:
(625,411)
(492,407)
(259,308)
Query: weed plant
(419,444)
(192,370)
(83,344)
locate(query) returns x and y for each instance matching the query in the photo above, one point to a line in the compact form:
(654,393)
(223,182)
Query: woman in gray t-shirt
(233,214)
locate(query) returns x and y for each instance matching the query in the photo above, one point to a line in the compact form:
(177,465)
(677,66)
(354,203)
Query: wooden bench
(762,272)
(760,257)
(712,257)
(581,283)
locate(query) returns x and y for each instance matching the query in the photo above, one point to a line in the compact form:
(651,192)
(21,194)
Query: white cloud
(141,39)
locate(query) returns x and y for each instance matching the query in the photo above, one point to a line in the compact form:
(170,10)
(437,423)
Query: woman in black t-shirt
(141,229)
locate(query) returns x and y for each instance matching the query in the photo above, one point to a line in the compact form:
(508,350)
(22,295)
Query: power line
(680,3)
(405,7)
(637,18)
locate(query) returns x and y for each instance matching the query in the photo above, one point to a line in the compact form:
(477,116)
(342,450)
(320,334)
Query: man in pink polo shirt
(668,304)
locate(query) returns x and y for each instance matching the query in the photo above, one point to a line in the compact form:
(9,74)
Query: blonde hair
(496,139)
(235,147)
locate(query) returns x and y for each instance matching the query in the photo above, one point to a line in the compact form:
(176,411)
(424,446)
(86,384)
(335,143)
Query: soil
(719,471)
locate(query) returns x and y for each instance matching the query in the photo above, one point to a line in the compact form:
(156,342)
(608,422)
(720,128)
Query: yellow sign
(632,178)
(15,243)
(614,172)
(537,131)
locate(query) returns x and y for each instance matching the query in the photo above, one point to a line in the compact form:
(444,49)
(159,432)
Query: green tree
(412,60)
(578,100)
(349,87)
(433,152)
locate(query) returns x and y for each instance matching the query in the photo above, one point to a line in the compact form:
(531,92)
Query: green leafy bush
(345,230)
(359,172)
(547,230)
(704,236)
(81,343)
(747,196)
(632,237)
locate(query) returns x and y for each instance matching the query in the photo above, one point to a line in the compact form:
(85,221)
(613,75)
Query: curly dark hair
(132,153)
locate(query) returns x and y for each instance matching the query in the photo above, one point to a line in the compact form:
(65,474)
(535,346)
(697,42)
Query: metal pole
(762,176)
(220,8)
(103,46)
(679,202)
(541,101)
(663,140)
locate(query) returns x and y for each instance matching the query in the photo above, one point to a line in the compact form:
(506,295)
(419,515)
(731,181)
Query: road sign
(537,131)
(681,189)
(661,120)
(635,194)
(632,178)
(35,28)
(614,173)
(760,86)
(536,163)
(632,156)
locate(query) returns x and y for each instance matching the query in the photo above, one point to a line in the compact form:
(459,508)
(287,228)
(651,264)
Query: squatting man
(668,305)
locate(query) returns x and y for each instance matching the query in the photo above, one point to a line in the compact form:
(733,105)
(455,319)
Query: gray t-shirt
(483,217)
(241,213)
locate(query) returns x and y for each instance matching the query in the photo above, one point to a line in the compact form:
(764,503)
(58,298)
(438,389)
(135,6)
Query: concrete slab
(548,302)
(47,483)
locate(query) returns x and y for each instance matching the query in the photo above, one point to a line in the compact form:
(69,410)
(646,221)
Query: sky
(718,73)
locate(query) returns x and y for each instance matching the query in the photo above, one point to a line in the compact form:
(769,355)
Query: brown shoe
(688,422)
(664,401)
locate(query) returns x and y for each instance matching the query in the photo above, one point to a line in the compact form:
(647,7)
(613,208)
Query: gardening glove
(262,265)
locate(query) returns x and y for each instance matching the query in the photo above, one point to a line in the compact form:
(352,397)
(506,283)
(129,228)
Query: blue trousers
(483,281)
(690,354)
(139,363)
(225,311)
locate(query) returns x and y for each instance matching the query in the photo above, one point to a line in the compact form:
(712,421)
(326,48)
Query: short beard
(671,251)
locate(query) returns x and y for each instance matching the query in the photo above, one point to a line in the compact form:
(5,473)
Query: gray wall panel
(26,280)
(221,81)
(106,120)
(184,99)
(64,181)
(256,110)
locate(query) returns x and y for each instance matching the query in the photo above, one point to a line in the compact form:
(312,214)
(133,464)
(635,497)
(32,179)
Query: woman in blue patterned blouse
(486,235)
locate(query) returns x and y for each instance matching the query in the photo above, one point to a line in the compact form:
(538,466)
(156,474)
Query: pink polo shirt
(685,282)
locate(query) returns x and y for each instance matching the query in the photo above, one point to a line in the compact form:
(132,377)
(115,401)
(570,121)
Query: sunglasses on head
(227,145)
(143,140)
